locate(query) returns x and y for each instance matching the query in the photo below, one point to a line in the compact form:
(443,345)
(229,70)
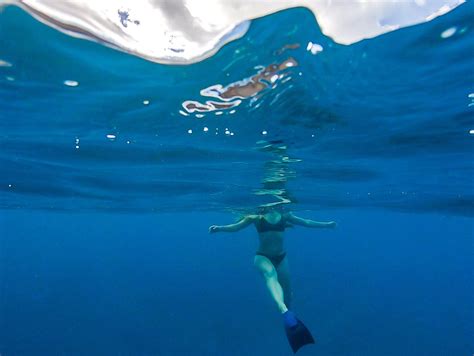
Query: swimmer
(272,262)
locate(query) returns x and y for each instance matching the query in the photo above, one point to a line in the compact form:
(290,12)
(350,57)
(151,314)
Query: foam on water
(185,31)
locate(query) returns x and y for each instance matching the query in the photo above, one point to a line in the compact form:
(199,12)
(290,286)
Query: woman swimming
(272,262)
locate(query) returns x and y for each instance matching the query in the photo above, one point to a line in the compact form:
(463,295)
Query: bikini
(262,225)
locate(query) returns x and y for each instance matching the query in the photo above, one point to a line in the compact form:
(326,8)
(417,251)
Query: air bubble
(314,48)
(449,32)
(71,83)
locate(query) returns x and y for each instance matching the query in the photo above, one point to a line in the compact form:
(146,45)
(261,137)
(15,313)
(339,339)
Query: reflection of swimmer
(272,262)
(243,89)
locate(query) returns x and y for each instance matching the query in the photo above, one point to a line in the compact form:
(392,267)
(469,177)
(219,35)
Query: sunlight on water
(144,28)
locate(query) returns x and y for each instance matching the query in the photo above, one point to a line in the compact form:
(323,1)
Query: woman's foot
(289,319)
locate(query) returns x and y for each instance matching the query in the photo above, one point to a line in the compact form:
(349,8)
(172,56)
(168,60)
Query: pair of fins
(297,333)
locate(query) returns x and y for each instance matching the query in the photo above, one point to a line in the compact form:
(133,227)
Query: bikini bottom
(275,260)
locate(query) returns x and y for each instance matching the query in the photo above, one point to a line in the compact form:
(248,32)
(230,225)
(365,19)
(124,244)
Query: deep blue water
(103,241)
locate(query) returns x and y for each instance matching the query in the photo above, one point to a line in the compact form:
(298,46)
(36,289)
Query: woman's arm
(309,223)
(246,221)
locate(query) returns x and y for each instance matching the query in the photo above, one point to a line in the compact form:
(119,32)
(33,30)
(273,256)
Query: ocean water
(113,167)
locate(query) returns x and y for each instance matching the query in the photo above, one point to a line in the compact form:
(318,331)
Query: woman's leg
(270,275)
(283,273)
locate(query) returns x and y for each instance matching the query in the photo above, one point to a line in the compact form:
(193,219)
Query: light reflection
(231,96)
(277,172)
(287,47)
(192,106)
(5,63)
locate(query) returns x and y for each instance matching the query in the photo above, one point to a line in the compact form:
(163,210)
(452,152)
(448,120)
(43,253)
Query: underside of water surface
(383,123)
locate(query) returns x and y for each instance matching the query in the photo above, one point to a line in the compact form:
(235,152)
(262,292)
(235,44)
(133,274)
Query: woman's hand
(331,224)
(213,229)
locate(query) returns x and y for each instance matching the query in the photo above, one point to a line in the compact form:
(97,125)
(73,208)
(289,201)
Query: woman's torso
(270,230)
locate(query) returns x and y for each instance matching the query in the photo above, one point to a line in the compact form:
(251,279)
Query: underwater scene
(165,165)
